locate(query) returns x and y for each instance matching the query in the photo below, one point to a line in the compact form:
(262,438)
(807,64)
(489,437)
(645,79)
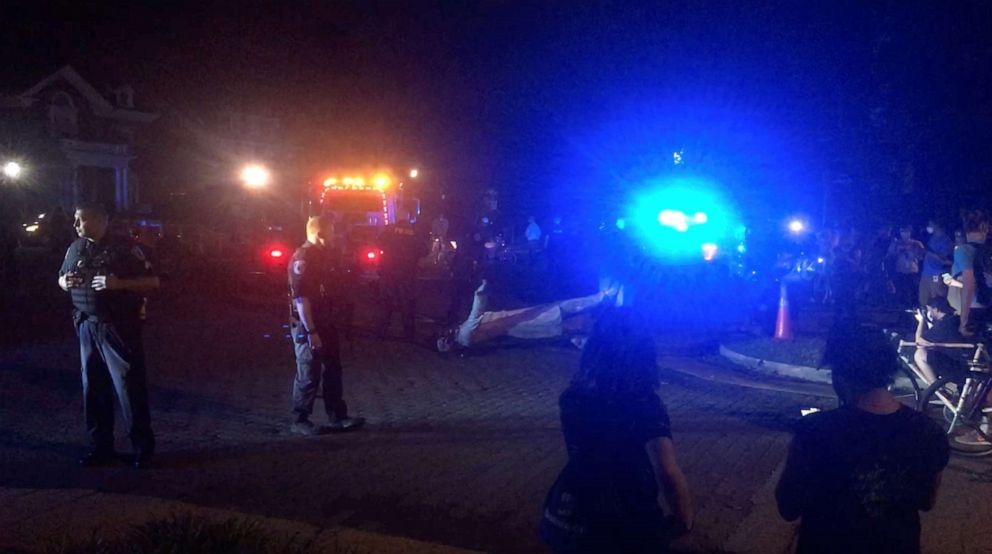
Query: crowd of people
(857,477)
(907,269)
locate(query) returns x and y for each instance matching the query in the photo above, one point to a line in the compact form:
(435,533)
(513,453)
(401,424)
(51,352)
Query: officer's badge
(299,266)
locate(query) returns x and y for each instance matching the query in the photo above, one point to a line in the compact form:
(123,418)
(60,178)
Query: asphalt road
(457,451)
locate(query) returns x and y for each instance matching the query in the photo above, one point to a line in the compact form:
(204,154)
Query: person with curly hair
(858,476)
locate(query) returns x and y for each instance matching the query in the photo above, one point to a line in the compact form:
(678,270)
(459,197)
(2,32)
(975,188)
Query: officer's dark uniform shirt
(312,273)
(110,256)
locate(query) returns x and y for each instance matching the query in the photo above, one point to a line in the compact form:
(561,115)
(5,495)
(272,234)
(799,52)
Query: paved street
(458,451)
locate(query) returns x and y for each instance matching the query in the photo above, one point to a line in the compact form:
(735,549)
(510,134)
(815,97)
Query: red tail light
(276,253)
(371,255)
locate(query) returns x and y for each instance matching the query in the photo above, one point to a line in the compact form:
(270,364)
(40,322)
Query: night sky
(553,101)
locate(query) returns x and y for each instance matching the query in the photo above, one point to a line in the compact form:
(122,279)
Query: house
(80,138)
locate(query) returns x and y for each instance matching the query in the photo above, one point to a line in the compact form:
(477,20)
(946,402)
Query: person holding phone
(937,325)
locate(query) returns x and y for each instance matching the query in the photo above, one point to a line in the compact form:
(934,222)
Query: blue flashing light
(674,218)
(741,248)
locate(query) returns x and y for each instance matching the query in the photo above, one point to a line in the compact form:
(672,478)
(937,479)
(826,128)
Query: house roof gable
(68,74)
(100,105)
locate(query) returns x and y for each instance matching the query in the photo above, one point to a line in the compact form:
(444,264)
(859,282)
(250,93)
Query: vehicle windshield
(352,202)
(363,233)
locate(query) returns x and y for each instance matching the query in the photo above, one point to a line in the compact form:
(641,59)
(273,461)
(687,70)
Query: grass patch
(189,534)
(803,351)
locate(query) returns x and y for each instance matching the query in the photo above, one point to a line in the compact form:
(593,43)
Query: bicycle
(957,402)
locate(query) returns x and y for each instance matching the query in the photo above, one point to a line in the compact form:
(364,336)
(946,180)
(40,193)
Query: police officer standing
(106,277)
(312,282)
(401,250)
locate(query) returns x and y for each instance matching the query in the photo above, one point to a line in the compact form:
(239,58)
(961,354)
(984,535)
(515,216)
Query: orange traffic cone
(783,324)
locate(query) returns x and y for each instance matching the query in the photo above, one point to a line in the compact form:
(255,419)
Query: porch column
(118,190)
(126,196)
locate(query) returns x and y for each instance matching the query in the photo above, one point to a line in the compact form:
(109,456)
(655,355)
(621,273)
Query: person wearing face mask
(937,260)
(907,253)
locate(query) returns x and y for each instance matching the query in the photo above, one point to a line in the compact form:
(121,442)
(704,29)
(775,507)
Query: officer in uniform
(312,282)
(401,250)
(106,277)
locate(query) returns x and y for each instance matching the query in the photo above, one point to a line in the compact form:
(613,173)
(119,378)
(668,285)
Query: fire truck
(361,204)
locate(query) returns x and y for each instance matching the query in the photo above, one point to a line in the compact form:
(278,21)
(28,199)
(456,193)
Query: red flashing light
(371,255)
(275,253)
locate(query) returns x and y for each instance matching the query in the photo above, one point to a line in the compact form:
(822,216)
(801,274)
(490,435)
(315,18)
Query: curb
(803,373)
(777,369)
(741,377)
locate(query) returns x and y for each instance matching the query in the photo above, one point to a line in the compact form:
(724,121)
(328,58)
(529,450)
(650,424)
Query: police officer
(312,282)
(106,277)
(401,250)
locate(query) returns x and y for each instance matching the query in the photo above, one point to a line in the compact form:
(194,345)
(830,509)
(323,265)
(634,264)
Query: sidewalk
(31,520)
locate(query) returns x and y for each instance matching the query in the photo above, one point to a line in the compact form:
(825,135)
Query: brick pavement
(457,451)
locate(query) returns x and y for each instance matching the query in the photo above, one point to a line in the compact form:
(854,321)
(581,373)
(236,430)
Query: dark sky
(543,99)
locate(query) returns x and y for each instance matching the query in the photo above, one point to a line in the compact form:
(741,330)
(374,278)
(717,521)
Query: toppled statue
(536,322)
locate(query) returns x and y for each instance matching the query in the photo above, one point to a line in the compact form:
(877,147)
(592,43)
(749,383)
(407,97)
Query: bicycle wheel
(942,402)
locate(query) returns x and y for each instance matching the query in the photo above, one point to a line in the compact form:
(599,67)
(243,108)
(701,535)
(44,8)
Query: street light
(255,176)
(12,170)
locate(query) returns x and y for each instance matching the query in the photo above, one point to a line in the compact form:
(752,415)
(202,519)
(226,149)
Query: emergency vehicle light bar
(378,182)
